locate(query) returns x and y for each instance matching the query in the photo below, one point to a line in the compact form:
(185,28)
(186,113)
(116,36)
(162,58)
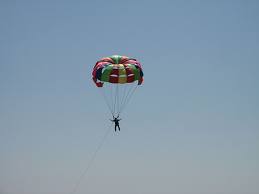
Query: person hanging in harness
(116,122)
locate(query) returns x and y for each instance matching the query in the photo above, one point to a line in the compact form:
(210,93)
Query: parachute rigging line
(127,99)
(107,100)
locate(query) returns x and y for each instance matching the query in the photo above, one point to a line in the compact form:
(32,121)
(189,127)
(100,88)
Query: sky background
(191,128)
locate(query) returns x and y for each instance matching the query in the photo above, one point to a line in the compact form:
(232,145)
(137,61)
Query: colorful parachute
(116,76)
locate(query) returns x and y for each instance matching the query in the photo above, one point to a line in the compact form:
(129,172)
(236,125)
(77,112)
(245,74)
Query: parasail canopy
(117,69)
(117,77)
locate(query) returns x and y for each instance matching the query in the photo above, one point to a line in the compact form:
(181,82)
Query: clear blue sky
(192,128)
